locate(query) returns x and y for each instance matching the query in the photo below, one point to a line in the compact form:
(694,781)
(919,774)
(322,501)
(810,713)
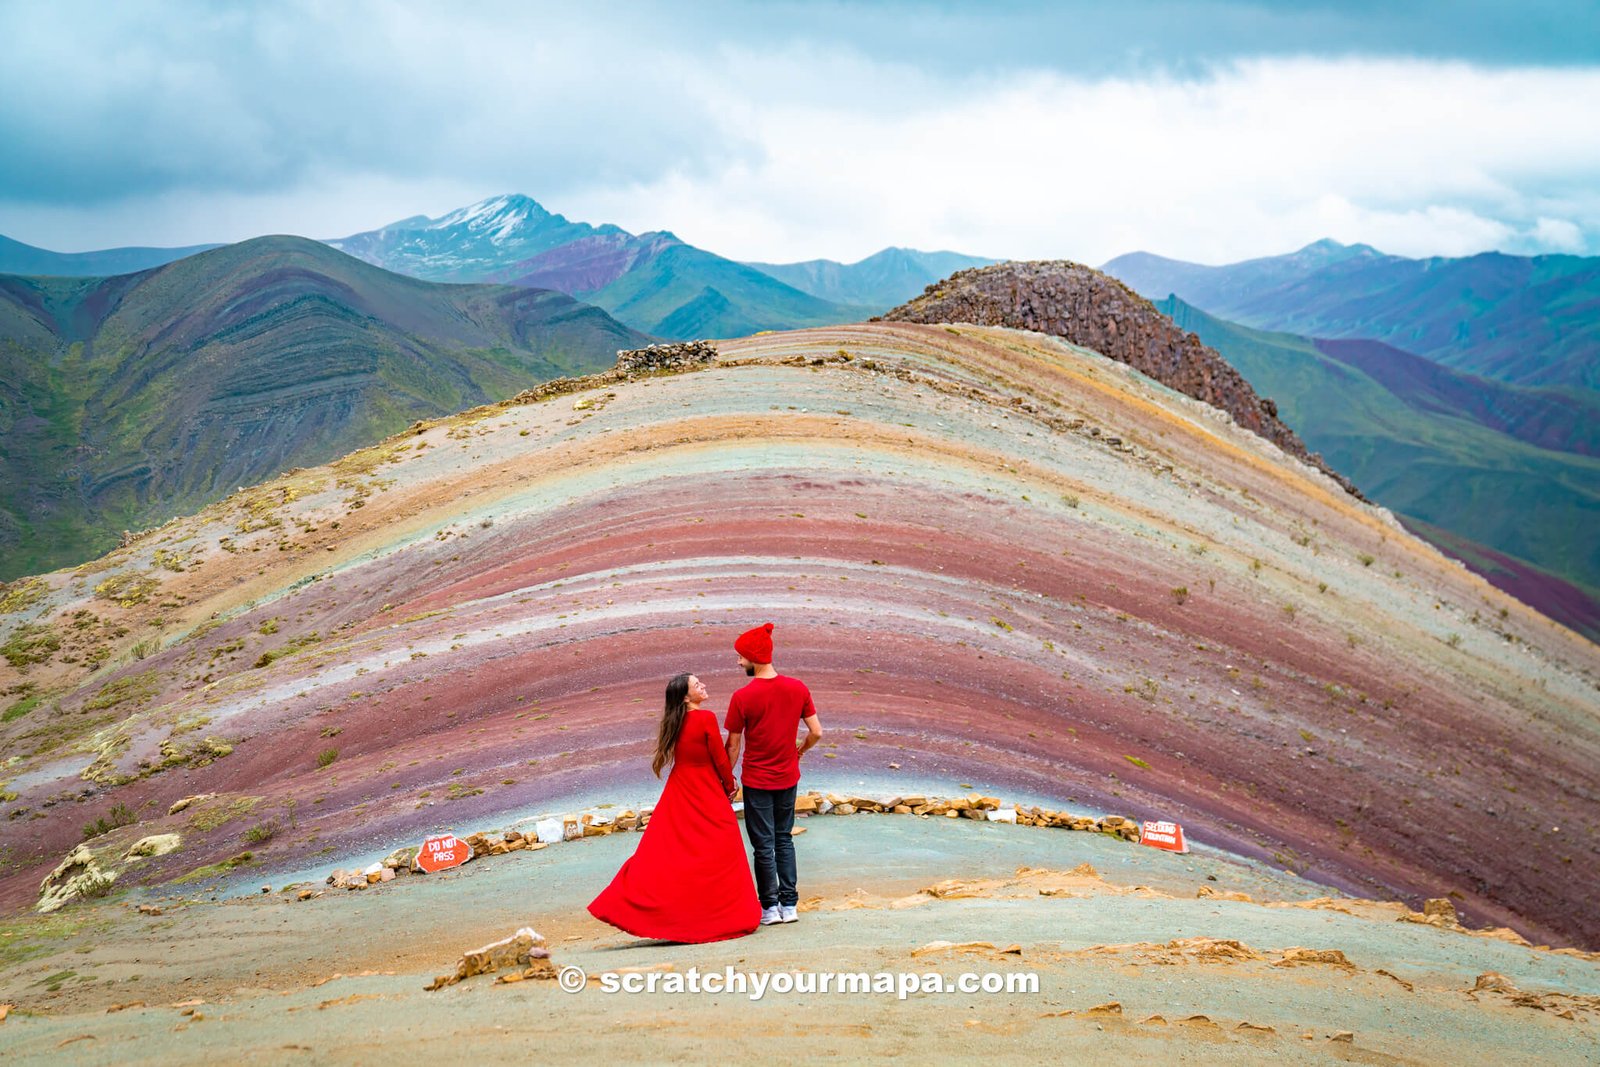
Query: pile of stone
(360,878)
(547,832)
(680,356)
(631,362)
(972,806)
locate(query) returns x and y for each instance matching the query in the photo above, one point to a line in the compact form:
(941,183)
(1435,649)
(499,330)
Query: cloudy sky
(1211,131)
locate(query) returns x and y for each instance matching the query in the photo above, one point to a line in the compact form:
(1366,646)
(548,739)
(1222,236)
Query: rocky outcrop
(1095,311)
(79,875)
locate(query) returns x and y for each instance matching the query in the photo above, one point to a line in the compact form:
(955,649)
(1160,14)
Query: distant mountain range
(18,258)
(653,281)
(883,280)
(128,399)
(1526,320)
(1470,463)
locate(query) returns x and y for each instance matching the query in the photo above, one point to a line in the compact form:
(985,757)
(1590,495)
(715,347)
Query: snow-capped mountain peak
(497,219)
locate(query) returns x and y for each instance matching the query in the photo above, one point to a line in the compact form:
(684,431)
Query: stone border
(574,826)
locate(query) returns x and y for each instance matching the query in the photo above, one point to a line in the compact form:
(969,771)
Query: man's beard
(750,671)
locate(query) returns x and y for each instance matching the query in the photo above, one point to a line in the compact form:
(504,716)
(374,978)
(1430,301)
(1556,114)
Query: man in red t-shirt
(763,719)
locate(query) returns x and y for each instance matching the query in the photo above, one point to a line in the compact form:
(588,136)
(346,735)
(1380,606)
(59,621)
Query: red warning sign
(1167,835)
(443,851)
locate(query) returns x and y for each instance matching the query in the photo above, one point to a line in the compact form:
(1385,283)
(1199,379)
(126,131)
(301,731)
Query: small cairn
(683,355)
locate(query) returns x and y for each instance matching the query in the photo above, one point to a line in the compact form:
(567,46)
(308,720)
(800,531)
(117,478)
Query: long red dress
(689,879)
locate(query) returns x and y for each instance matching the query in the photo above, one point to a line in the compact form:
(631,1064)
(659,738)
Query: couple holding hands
(688,879)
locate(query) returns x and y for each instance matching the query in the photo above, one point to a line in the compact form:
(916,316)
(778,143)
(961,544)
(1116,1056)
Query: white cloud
(298,119)
(1415,158)
(1557,235)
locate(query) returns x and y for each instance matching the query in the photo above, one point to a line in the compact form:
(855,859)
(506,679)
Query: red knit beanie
(756,645)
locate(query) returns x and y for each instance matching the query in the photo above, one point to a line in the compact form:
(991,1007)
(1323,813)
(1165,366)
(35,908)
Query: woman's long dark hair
(672,717)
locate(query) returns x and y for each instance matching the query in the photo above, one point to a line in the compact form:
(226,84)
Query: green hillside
(1534,504)
(685,292)
(1530,320)
(130,399)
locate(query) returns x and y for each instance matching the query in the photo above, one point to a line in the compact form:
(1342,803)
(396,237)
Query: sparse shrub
(1454,640)
(138,687)
(297,644)
(22,707)
(96,884)
(1070,499)
(1291,611)
(260,833)
(144,648)
(30,643)
(326,757)
(1180,594)
(1366,559)
(1137,762)
(120,815)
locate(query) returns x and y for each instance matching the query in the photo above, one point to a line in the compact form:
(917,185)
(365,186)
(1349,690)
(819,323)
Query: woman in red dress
(689,879)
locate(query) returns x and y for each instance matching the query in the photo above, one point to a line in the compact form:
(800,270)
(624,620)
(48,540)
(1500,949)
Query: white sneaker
(788,913)
(771,916)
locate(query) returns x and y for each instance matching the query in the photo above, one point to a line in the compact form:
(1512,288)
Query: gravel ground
(339,978)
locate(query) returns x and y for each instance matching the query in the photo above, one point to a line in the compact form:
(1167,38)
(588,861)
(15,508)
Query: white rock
(376,868)
(548,831)
(155,845)
(1003,815)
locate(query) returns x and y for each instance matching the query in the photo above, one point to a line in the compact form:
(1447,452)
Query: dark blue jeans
(768,818)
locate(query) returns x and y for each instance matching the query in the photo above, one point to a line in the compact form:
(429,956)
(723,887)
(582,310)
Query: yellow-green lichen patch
(21,594)
(217,870)
(126,590)
(193,753)
(221,812)
(368,460)
(258,506)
